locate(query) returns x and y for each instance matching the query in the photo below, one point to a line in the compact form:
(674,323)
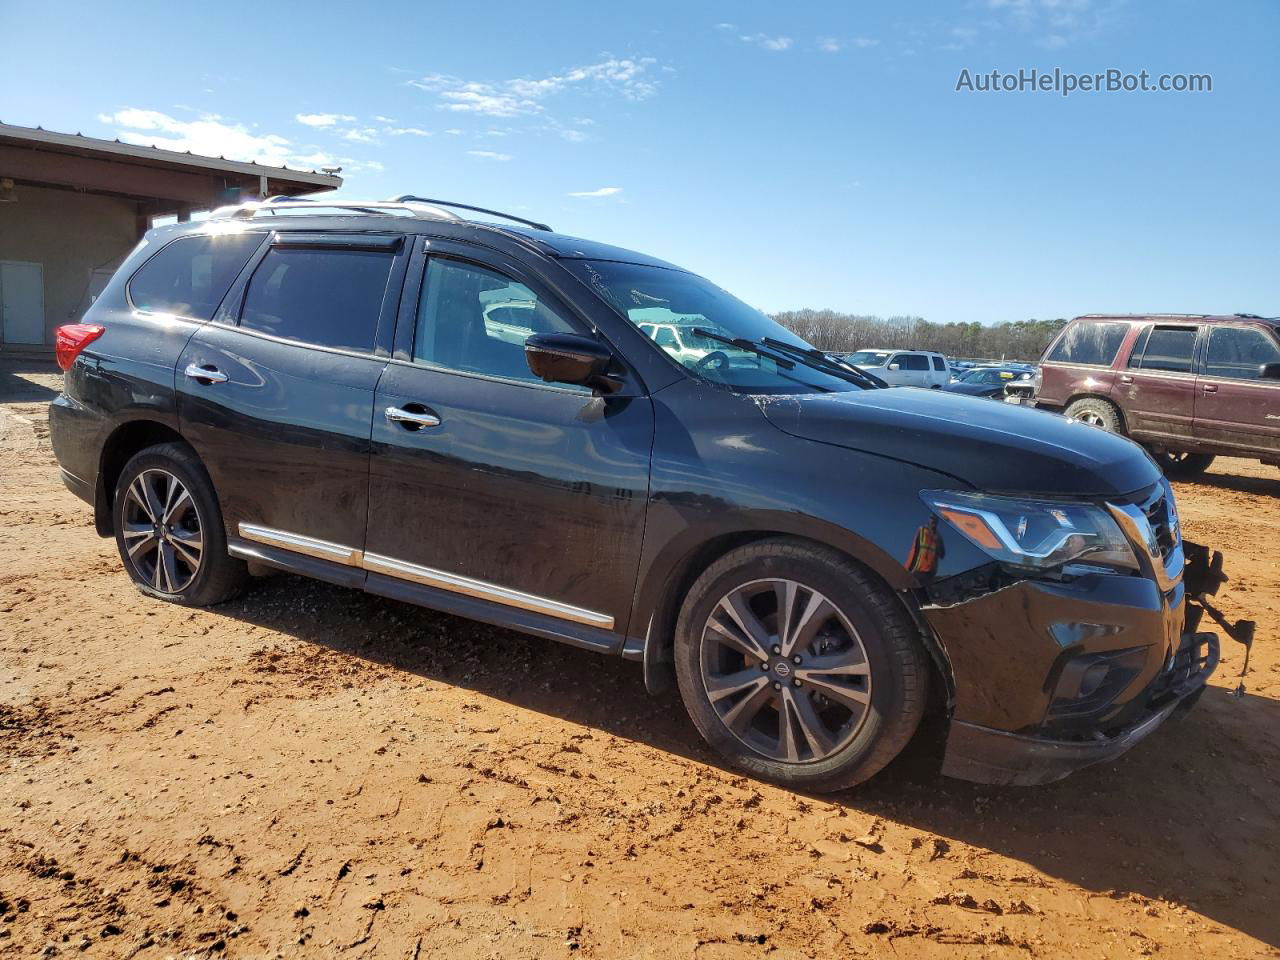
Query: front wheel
(169,529)
(1097,413)
(799,667)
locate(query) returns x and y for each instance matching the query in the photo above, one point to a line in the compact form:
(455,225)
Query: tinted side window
(1170,349)
(330,298)
(475,320)
(1238,352)
(1139,345)
(191,275)
(939,363)
(1093,343)
(913,361)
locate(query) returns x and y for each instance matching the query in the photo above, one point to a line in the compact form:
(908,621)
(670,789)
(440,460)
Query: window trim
(217,307)
(1203,357)
(231,311)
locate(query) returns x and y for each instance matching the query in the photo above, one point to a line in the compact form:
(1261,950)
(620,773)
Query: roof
(79,145)
(1180,317)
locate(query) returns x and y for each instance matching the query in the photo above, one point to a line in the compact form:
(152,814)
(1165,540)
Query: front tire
(1097,413)
(798,666)
(1183,464)
(169,529)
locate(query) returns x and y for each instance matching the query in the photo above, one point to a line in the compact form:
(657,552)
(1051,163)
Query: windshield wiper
(743,344)
(815,358)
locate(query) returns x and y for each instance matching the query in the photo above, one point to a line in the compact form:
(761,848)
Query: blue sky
(803,154)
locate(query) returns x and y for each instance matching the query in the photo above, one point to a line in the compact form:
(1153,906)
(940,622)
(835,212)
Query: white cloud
(766,42)
(574,136)
(323,119)
(829,45)
(454,132)
(382,119)
(602,192)
(1058,22)
(489,155)
(361,135)
(524,97)
(213,136)
(407,132)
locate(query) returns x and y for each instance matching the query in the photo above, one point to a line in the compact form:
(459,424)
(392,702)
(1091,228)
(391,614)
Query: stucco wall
(70,234)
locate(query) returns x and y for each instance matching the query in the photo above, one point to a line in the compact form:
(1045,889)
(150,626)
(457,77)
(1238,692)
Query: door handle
(411,419)
(1125,378)
(207,374)
(1210,388)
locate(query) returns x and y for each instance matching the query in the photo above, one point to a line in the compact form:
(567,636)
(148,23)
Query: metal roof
(78,144)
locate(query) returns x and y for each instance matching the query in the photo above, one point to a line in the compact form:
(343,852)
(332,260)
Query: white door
(21,302)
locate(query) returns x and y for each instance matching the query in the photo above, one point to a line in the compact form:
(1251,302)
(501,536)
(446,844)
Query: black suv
(471,417)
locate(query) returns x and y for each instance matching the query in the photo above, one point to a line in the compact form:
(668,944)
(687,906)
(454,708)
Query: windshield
(868,358)
(671,307)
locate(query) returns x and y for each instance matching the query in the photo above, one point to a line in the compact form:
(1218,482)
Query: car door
(277,395)
(914,369)
(492,493)
(1234,406)
(1157,389)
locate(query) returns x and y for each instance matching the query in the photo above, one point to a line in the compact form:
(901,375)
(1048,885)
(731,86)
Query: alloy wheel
(163,535)
(785,671)
(1091,418)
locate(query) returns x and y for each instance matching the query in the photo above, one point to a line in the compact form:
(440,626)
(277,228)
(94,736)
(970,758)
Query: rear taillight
(70,339)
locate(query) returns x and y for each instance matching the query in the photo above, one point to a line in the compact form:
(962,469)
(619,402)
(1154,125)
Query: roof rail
(251,208)
(410,198)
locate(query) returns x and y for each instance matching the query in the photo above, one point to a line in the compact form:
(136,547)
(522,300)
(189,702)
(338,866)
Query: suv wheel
(169,529)
(798,667)
(1183,464)
(1096,412)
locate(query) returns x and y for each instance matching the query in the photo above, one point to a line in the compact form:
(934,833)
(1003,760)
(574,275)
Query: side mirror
(894,366)
(1269,371)
(571,358)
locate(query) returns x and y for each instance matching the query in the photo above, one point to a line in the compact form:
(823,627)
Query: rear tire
(1183,464)
(169,529)
(1096,412)
(824,702)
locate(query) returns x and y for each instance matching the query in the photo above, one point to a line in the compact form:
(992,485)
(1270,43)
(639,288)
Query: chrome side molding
(427,576)
(300,544)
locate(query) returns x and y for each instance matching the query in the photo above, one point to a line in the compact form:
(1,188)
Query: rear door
(940,375)
(489,486)
(1157,389)
(1233,407)
(277,395)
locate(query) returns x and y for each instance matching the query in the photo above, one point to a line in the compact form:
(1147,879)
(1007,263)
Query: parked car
(903,368)
(813,561)
(681,340)
(1187,387)
(989,382)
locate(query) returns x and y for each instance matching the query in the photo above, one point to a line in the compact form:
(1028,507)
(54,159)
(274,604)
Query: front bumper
(1052,676)
(985,755)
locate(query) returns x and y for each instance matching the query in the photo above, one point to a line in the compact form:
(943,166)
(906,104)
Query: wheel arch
(682,570)
(125,440)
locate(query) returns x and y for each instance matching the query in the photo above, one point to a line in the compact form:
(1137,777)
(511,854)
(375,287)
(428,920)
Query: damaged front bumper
(1050,676)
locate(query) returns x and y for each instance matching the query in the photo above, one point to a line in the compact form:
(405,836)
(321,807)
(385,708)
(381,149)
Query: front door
(1157,389)
(1234,407)
(489,486)
(278,400)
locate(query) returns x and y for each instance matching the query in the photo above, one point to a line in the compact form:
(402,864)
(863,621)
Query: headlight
(1039,534)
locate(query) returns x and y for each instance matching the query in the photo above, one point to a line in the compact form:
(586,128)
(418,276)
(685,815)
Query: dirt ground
(312,771)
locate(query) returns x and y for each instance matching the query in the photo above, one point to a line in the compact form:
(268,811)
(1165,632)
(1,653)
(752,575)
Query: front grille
(1163,525)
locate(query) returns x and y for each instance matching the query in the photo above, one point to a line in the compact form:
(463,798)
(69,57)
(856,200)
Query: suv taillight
(71,338)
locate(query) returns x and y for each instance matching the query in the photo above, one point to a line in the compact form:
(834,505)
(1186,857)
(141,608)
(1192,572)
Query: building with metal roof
(72,207)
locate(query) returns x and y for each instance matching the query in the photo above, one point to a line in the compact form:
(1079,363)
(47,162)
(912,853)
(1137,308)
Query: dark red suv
(1187,387)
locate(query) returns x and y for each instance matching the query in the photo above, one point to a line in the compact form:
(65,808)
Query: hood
(994,447)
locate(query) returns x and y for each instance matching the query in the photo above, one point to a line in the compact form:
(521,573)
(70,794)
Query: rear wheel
(1183,464)
(1097,413)
(169,529)
(799,667)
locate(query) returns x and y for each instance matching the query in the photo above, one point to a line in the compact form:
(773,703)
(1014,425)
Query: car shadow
(1240,483)
(1186,817)
(16,387)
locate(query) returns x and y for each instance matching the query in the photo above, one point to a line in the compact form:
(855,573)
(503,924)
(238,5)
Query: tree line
(845,332)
